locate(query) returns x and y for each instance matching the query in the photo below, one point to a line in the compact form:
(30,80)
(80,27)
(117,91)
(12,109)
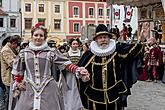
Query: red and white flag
(128,13)
(117,14)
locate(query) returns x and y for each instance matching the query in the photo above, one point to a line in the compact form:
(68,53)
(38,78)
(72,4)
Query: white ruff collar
(95,49)
(74,52)
(34,47)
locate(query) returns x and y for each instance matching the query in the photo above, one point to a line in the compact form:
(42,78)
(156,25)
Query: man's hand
(85,78)
(83,71)
(84,74)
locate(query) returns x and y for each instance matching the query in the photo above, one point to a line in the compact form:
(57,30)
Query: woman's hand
(21,86)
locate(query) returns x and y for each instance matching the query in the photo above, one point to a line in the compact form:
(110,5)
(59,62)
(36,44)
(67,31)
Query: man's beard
(103,45)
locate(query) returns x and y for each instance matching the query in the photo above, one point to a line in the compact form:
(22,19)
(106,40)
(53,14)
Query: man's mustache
(103,43)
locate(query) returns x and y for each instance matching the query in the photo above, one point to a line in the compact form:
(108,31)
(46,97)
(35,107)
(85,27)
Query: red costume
(153,61)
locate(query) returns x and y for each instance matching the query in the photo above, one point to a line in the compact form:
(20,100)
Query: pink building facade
(81,14)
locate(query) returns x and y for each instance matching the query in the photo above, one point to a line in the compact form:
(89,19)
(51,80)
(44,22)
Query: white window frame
(59,8)
(1,3)
(107,12)
(15,22)
(89,11)
(30,7)
(59,22)
(99,12)
(74,27)
(25,23)
(44,7)
(77,13)
(2,22)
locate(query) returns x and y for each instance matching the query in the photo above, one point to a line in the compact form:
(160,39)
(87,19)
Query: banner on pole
(128,13)
(116,14)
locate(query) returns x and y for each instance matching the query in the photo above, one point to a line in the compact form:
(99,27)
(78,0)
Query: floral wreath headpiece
(39,26)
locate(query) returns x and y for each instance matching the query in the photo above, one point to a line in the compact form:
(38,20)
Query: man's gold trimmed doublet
(105,85)
(104,90)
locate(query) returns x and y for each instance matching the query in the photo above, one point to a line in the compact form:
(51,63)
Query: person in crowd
(24,44)
(74,52)
(103,61)
(69,96)
(62,49)
(143,75)
(66,45)
(163,77)
(8,54)
(52,44)
(154,57)
(160,33)
(155,31)
(160,67)
(129,31)
(114,34)
(125,32)
(32,74)
(2,86)
(117,31)
(85,48)
(2,93)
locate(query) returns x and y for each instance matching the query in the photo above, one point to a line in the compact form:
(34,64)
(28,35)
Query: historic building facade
(150,11)
(82,15)
(64,18)
(9,18)
(49,12)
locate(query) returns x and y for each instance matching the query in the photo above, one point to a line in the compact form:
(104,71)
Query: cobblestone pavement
(147,96)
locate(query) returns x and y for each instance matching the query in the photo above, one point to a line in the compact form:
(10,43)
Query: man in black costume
(103,61)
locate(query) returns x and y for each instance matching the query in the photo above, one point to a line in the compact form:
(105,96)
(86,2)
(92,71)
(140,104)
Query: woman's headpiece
(40,26)
(74,39)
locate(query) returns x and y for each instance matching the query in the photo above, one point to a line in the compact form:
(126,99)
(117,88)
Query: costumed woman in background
(33,76)
(69,92)
(74,52)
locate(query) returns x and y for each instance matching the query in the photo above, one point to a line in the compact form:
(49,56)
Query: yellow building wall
(54,16)
(42,15)
(27,14)
(48,14)
(65,16)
